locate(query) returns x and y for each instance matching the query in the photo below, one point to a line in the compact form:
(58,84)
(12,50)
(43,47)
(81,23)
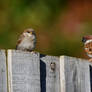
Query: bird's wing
(19,40)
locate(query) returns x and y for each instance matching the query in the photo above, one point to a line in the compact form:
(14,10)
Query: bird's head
(87,39)
(29,32)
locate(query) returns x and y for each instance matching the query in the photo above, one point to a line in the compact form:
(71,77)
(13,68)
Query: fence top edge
(61,56)
(77,59)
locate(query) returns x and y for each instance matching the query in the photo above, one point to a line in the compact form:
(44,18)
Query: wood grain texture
(50,79)
(77,75)
(62,75)
(32,72)
(24,71)
(29,72)
(3,74)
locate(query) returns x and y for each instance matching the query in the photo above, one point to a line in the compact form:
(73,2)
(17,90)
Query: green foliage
(50,20)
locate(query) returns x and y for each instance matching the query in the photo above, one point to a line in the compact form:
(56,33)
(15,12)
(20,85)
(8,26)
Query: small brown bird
(87,40)
(27,40)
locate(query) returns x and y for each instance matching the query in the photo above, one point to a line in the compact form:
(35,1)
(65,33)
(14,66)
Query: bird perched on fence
(27,40)
(87,40)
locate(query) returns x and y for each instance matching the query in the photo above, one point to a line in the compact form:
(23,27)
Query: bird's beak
(31,33)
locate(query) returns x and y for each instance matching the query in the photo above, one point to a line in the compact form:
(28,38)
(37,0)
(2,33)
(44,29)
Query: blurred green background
(59,24)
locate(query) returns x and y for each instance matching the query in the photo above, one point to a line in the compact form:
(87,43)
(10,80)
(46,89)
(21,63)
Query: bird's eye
(28,32)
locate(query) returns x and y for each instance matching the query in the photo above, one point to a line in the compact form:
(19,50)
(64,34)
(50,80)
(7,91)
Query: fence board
(23,70)
(77,75)
(3,75)
(52,79)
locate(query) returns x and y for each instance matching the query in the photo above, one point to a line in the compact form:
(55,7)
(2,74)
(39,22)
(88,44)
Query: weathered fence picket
(76,74)
(34,72)
(3,75)
(50,80)
(23,70)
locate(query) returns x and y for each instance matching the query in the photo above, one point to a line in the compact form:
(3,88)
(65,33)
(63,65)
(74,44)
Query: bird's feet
(33,52)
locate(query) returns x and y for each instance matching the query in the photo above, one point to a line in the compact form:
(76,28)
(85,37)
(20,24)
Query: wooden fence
(33,72)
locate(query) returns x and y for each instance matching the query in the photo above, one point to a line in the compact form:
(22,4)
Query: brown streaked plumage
(27,40)
(87,40)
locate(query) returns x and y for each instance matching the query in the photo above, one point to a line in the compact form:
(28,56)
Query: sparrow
(87,40)
(27,40)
